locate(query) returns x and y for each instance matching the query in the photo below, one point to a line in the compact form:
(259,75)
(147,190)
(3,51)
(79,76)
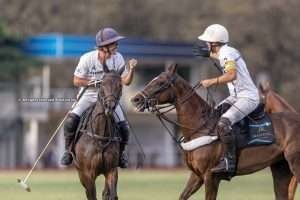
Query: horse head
(110,90)
(158,91)
(264,89)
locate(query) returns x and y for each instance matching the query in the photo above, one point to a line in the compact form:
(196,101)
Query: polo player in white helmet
(244,97)
(90,68)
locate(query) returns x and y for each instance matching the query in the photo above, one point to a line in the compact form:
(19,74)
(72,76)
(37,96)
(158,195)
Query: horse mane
(187,87)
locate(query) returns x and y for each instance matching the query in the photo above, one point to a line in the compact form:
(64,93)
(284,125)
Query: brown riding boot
(124,131)
(227,163)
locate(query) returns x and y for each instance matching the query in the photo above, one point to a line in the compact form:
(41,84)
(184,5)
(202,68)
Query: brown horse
(97,150)
(193,115)
(275,103)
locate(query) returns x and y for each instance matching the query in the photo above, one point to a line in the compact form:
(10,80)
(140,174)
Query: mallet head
(24,185)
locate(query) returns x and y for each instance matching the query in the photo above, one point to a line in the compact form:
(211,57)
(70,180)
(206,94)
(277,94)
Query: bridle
(104,99)
(151,103)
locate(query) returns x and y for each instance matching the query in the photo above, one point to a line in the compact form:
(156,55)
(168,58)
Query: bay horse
(194,118)
(97,149)
(275,103)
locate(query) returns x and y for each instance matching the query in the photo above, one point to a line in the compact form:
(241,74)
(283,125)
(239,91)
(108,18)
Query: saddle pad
(254,133)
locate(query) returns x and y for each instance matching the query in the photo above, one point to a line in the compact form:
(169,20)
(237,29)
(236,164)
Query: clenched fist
(132,63)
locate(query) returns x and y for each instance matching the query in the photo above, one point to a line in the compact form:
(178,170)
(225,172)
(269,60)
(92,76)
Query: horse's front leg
(193,184)
(111,181)
(89,184)
(211,186)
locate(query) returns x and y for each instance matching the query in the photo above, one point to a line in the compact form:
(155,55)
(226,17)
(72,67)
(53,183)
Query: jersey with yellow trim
(243,86)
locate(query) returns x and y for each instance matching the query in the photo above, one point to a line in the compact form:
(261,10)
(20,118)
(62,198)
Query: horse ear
(264,87)
(105,68)
(172,68)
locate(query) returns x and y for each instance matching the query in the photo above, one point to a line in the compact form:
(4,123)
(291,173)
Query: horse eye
(161,83)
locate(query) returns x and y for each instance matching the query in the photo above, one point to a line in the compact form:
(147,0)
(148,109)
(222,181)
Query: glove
(202,49)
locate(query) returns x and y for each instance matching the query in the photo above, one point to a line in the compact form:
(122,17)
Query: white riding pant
(88,99)
(240,107)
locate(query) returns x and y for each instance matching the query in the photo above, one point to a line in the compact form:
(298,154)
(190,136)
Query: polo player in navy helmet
(90,69)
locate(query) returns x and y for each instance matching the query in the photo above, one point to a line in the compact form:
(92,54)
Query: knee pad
(71,124)
(224,130)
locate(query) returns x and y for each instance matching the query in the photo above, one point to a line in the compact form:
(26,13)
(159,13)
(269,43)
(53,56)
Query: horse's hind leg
(89,184)
(292,188)
(211,186)
(281,179)
(294,163)
(111,181)
(193,184)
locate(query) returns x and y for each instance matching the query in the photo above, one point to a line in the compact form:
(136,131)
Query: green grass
(133,185)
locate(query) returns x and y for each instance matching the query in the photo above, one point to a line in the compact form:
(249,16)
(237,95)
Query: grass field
(133,185)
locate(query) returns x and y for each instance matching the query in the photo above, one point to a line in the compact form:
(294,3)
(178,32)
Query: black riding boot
(70,127)
(67,157)
(227,164)
(124,131)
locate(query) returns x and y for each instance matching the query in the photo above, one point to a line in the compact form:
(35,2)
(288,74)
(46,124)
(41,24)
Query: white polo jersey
(89,67)
(243,86)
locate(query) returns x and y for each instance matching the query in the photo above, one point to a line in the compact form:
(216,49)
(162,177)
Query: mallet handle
(54,134)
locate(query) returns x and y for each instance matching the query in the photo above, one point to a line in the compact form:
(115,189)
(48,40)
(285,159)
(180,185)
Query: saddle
(82,126)
(254,130)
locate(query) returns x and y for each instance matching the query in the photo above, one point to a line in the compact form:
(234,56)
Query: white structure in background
(8,137)
(35,110)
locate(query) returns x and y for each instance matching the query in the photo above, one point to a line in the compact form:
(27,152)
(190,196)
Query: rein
(162,115)
(111,131)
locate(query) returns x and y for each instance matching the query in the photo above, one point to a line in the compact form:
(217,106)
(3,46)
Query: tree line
(266,32)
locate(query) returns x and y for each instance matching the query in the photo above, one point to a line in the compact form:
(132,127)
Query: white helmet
(215,33)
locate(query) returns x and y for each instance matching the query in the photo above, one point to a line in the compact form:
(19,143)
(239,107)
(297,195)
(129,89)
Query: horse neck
(275,103)
(192,111)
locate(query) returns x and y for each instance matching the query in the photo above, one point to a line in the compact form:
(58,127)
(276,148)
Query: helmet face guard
(202,49)
(107,36)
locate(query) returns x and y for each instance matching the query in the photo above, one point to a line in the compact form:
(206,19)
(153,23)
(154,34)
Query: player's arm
(127,79)
(80,82)
(229,75)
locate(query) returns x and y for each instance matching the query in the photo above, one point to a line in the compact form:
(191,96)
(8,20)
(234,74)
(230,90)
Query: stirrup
(224,166)
(67,158)
(123,161)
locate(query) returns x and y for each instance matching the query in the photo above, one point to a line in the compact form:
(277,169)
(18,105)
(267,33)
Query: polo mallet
(23,183)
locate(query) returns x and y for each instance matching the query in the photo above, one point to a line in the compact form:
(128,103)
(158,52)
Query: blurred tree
(13,61)
(266,32)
